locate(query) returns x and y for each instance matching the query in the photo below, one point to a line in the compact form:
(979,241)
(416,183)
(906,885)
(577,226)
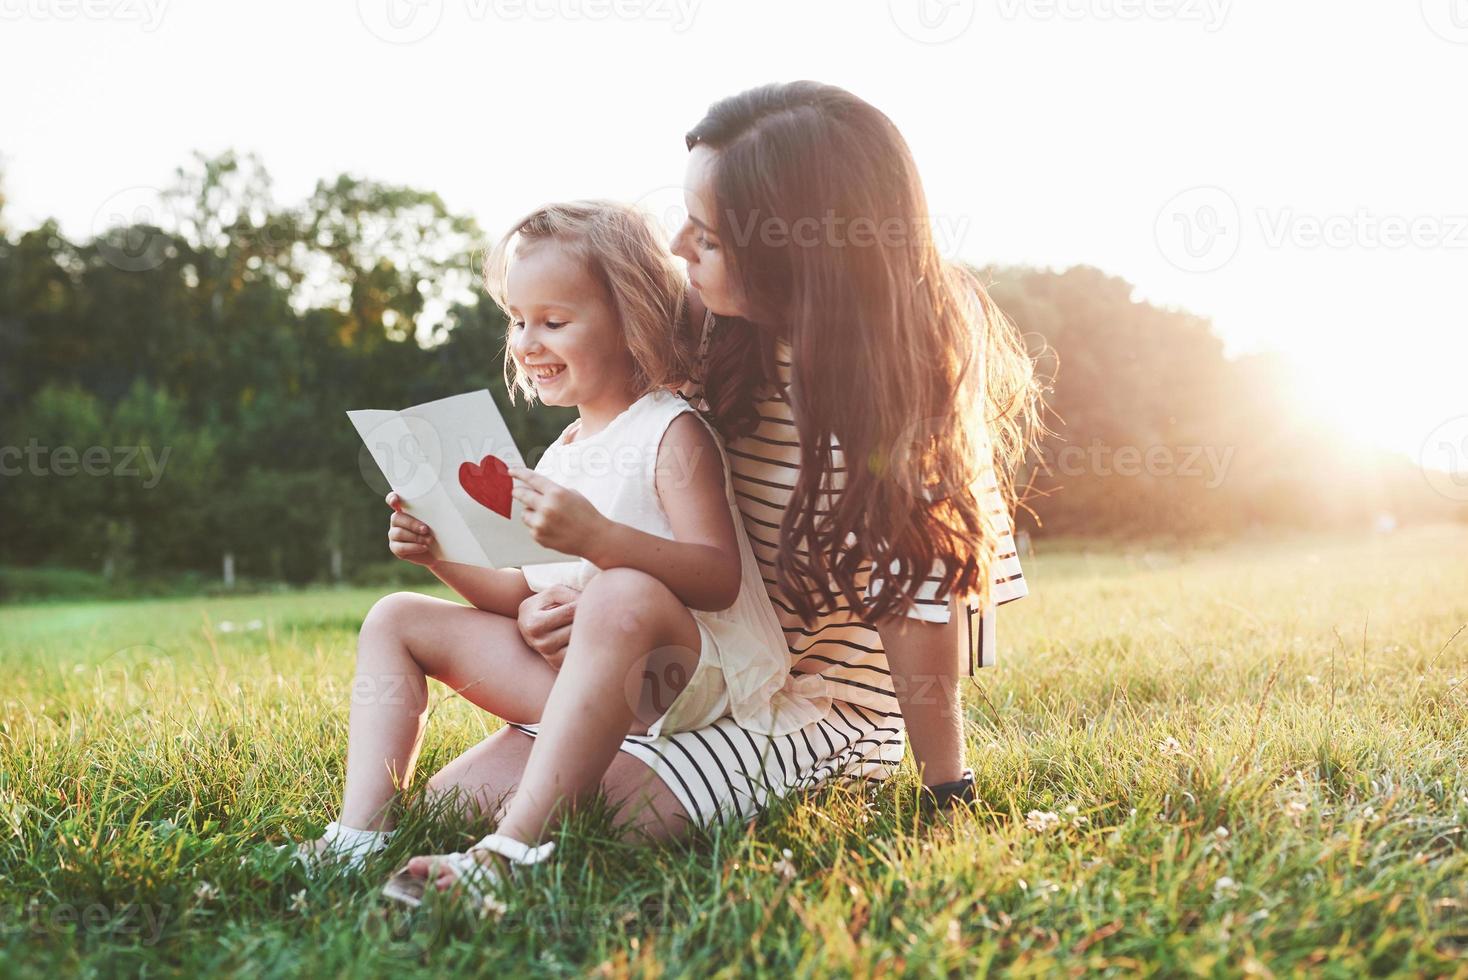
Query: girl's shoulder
(663,403)
(567,434)
(661,410)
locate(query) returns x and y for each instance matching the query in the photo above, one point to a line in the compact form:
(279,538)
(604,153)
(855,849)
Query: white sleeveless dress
(743,666)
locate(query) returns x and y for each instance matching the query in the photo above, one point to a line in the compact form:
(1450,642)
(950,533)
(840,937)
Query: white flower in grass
(206,892)
(298,901)
(784,867)
(1221,833)
(225,626)
(1170,746)
(1225,887)
(1041,820)
(1311,679)
(492,908)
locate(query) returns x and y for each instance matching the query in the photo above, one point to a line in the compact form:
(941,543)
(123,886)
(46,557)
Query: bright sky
(1327,137)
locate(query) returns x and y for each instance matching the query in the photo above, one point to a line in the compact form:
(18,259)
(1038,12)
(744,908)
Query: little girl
(638,485)
(640,480)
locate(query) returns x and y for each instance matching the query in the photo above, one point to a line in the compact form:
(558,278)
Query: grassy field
(1247,759)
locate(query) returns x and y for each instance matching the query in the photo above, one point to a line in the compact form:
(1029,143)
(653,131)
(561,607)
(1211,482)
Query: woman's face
(700,241)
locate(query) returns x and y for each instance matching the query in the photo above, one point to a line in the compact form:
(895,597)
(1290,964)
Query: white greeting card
(448,459)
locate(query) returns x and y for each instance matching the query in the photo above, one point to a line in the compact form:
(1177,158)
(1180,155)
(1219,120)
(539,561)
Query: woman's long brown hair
(900,359)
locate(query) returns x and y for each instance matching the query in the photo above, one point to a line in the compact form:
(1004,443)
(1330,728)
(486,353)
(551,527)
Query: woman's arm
(700,566)
(926,661)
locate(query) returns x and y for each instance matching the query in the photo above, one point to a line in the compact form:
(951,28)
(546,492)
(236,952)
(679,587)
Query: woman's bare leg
(486,775)
(405,639)
(621,618)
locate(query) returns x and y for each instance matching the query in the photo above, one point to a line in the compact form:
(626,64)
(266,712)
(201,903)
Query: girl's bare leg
(405,639)
(621,618)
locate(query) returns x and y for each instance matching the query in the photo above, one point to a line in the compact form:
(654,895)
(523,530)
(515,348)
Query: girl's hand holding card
(407,537)
(557,516)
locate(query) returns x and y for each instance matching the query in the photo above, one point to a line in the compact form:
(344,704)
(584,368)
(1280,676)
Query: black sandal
(946,796)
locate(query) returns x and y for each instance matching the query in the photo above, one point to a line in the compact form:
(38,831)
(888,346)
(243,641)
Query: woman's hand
(545,622)
(558,517)
(407,537)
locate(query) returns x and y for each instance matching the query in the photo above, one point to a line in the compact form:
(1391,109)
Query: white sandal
(477,879)
(345,845)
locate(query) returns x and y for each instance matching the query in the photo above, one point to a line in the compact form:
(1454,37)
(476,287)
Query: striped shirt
(845,651)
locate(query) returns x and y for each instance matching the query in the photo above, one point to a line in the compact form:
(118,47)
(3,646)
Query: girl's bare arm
(700,566)
(496,590)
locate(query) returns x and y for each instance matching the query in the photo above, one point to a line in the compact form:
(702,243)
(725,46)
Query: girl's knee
(393,611)
(622,604)
(621,599)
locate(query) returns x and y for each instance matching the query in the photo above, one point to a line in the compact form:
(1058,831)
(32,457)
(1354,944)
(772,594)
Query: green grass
(1307,695)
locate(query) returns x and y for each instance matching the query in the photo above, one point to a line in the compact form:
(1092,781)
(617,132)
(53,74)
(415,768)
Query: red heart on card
(488,482)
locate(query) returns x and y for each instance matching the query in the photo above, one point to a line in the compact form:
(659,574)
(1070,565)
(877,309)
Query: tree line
(173,389)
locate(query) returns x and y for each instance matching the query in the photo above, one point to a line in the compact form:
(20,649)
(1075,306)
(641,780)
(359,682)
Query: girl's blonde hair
(623,249)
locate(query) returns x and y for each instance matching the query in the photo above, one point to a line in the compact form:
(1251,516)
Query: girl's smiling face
(699,242)
(564,333)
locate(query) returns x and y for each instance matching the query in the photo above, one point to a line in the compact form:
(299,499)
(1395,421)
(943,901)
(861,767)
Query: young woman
(874,405)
